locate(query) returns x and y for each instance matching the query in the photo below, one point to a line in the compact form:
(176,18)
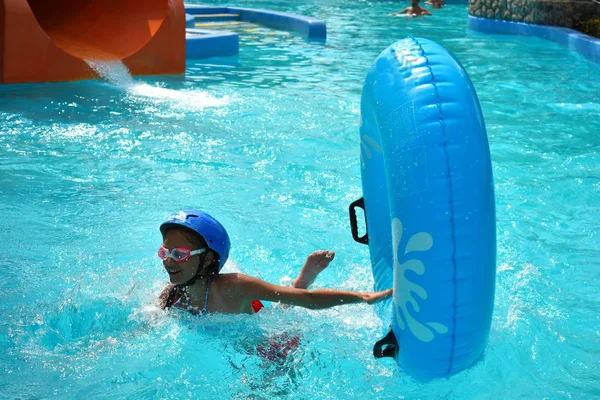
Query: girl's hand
(375,297)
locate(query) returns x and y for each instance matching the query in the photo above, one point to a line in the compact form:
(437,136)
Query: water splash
(117,73)
(114,72)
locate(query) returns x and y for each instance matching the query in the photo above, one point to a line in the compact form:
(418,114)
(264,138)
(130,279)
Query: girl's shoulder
(231,277)
(236,284)
(239,281)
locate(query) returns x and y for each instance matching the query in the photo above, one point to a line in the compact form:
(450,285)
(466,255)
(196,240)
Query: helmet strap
(194,278)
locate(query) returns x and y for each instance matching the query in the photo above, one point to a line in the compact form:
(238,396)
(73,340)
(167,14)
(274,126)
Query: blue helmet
(210,229)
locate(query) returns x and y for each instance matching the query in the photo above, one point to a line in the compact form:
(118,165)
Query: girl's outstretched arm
(256,289)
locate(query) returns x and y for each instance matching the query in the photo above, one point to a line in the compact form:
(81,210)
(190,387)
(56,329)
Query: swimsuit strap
(204,311)
(174,297)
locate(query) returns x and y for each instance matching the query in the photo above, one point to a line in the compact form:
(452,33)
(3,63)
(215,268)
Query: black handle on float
(360,203)
(391,349)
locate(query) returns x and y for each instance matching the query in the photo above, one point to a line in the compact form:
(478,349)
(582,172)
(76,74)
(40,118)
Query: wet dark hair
(199,243)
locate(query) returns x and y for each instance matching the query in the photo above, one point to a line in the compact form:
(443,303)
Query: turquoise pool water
(269,143)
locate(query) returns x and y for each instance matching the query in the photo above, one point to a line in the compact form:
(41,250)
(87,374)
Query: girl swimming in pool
(195,248)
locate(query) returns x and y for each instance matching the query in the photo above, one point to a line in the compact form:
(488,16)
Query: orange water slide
(49,40)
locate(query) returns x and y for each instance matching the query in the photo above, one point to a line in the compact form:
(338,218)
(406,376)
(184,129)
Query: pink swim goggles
(179,254)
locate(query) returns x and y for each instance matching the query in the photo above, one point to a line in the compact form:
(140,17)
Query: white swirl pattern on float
(403,287)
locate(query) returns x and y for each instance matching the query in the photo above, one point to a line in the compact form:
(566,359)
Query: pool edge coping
(309,27)
(586,45)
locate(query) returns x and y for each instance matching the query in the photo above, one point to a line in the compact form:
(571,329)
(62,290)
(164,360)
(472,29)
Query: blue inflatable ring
(429,205)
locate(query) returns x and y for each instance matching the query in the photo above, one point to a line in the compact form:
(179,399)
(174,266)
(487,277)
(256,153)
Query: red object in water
(257,305)
(276,348)
(49,40)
